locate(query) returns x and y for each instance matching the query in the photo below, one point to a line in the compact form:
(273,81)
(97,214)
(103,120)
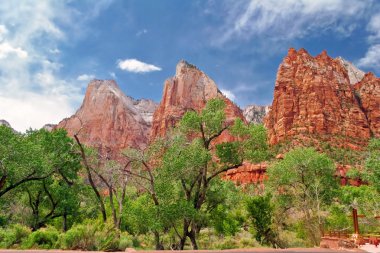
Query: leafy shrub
(13,235)
(126,241)
(91,235)
(44,238)
(228,243)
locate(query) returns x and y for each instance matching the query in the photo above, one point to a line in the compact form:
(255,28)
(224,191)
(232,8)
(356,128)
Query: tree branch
(27,179)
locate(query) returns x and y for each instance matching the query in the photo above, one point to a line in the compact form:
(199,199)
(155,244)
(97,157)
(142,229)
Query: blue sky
(50,50)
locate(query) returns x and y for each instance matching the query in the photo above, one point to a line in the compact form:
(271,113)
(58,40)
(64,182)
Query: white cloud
(229,94)
(374,27)
(288,19)
(6,50)
(136,66)
(32,93)
(371,58)
(85,77)
(33,110)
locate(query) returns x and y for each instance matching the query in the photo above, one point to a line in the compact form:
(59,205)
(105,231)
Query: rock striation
(110,120)
(189,89)
(255,113)
(146,108)
(314,98)
(368,94)
(355,75)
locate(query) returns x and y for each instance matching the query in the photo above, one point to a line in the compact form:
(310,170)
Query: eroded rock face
(255,113)
(189,89)
(109,120)
(354,74)
(313,97)
(146,108)
(368,94)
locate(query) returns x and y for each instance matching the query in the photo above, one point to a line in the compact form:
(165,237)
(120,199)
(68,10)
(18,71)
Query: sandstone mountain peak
(109,120)
(183,66)
(314,97)
(189,89)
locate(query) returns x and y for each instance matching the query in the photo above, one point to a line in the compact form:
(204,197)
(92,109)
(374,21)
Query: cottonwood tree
(195,159)
(261,213)
(21,160)
(304,180)
(52,160)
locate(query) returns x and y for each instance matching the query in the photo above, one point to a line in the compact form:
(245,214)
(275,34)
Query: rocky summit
(314,98)
(110,120)
(189,89)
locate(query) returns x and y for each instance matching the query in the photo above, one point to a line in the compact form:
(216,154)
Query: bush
(126,241)
(13,235)
(91,235)
(44,238)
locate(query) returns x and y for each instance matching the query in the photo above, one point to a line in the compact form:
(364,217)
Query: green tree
(304,181)
(21,160)
(53,162)
(260,211)
(371,172)
(195,159)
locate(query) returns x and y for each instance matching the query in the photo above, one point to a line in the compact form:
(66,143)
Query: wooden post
(355,220)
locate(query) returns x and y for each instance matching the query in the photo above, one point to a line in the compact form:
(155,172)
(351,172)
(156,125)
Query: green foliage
(372,164)
(304,180)
(13,235)
(45,238)
(126,241)
(260,211)
(363,198)
(338,219)
(91,235)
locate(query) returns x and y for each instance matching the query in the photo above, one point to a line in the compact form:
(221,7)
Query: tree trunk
(192,236)
(182,242)
(159,245)
(309,227)
(114,215)
(64,225)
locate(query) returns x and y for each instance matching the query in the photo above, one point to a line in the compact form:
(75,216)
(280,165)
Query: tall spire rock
(189,89)
(110,120)
(313,98)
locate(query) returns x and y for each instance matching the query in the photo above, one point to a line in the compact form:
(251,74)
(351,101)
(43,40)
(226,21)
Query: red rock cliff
(313,97)
(190,88)
(368,93)
(109,120)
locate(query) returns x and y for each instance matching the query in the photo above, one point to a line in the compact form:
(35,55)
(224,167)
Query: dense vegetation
(57,193)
